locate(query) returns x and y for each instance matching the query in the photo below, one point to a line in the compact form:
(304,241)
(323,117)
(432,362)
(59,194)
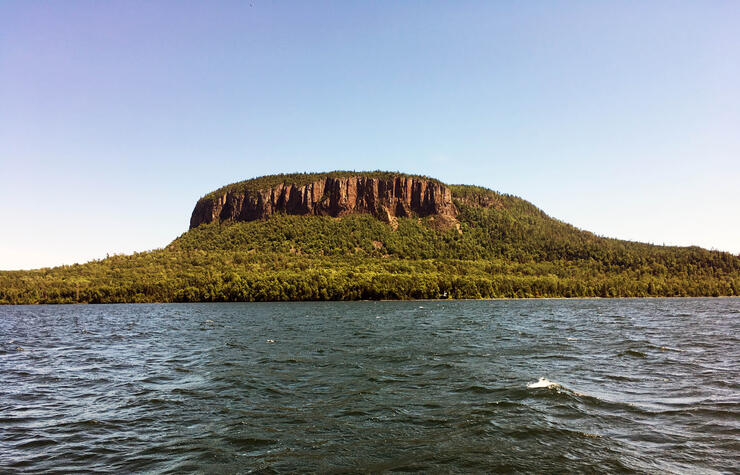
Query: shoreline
(495,299)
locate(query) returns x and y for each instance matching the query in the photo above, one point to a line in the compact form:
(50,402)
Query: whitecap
(542,383)
(547,384)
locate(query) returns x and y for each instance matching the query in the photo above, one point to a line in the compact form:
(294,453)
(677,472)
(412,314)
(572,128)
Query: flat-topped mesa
(384,198)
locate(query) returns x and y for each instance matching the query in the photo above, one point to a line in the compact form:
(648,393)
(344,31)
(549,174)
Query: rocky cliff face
(384,198)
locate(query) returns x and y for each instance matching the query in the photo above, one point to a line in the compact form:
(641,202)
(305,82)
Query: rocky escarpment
(385,198)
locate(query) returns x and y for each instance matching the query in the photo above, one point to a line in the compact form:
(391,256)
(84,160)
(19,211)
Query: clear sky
(622,118)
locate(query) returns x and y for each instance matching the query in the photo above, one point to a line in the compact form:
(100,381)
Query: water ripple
(630,385)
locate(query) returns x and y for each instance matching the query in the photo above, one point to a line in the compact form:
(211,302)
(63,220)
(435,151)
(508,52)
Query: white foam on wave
(545,383)
(542,383)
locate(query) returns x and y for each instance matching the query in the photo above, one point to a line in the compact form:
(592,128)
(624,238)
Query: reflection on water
(639,384)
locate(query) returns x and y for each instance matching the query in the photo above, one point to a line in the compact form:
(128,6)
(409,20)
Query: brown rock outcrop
(384,198)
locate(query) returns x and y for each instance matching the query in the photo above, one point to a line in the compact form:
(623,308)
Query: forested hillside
(502,247)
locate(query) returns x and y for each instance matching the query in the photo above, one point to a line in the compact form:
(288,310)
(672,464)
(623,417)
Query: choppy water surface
(632,385)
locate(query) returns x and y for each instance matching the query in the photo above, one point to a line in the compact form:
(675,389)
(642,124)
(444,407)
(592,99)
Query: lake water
(644,385)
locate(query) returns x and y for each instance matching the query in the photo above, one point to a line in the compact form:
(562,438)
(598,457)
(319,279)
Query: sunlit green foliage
(507,248)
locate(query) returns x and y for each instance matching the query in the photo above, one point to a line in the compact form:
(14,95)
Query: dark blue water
(643,385)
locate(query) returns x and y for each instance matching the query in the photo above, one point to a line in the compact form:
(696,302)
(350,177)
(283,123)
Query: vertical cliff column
(385,198)
(367,191)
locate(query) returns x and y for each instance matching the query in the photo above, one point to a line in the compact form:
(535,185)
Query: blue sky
(622,118)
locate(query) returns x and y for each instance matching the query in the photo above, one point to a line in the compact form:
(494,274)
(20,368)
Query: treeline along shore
(376,235)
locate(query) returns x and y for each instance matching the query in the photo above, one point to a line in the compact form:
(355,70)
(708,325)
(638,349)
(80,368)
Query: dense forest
(504,247)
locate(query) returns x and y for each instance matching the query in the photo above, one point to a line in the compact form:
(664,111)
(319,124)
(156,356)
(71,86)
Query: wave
(544,383)
(558,391)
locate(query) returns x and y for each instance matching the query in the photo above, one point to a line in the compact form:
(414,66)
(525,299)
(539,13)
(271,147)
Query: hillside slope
(499,246)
